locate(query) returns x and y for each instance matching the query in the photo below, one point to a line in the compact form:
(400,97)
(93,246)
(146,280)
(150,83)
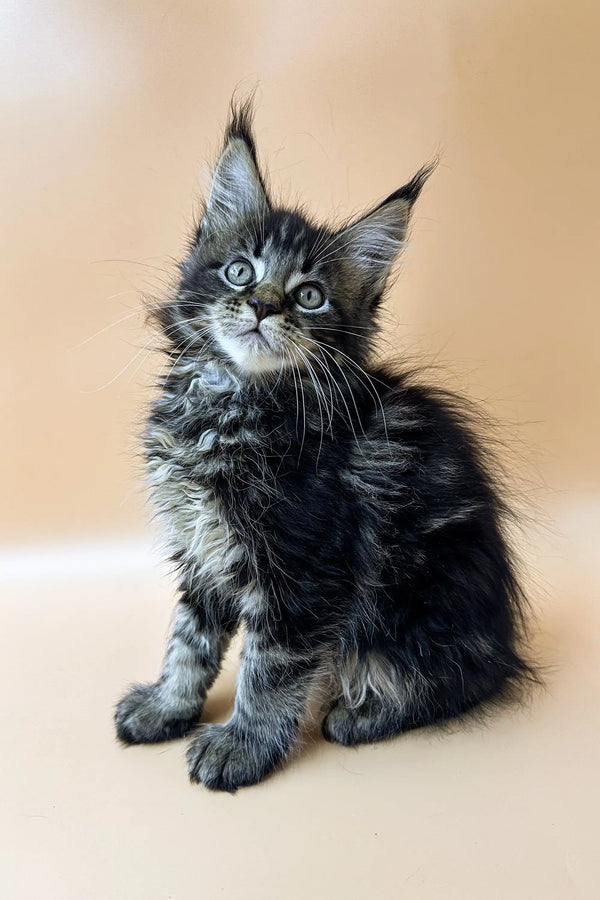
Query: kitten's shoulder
(409,396)
(397,387)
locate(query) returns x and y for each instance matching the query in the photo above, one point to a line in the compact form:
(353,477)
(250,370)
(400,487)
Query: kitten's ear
(375,240)
(237,188)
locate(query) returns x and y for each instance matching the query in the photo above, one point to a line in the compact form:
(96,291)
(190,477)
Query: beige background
(109,112)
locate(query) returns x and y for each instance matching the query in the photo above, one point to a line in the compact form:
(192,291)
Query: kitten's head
(264,288)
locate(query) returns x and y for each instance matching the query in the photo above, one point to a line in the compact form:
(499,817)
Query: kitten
(343,513)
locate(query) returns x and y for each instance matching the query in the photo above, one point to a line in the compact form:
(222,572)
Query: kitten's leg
(273,685)
(441,681)
(171,706)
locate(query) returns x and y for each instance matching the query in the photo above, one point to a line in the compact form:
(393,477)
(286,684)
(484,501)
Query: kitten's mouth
(251,349)
(256,339)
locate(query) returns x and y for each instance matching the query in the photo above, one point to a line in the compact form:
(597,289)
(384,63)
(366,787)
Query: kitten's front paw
(143,717)
(224,761)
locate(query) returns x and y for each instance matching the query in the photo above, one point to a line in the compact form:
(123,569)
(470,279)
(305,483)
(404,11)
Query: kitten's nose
(263,308)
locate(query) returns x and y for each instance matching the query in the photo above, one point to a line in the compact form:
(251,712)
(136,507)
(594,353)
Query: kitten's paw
(339,726)
(372,721)
(224,761)
(143,717)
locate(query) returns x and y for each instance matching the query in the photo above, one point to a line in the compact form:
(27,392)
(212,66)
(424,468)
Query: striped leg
(171,706)
(273,685)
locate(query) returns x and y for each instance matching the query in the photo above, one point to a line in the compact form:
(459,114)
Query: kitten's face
(265,290)
(275,290)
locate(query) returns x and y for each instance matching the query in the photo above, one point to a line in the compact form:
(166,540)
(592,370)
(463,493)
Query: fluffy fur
(343,512)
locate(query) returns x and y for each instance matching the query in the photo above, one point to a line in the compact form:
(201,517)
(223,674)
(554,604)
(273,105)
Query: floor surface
(505,811)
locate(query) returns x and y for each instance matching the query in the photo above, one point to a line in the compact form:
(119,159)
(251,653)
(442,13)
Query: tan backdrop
(110,111)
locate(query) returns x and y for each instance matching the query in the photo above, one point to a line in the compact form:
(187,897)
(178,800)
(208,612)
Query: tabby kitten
(343,513)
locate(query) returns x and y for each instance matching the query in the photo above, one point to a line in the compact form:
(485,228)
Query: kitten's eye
(309,296)
(239,272)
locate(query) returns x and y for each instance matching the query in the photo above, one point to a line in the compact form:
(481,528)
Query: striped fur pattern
(345,514)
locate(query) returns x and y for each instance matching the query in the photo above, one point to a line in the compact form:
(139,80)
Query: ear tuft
(411,191)
(241,118)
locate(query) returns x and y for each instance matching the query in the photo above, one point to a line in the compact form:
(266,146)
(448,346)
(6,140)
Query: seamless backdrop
(110,113)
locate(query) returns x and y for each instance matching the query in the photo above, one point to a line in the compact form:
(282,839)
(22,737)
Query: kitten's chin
(251,352)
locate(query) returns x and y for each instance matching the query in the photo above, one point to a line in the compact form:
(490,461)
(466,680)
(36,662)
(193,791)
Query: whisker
(370,380)
(103,330)
(318,392)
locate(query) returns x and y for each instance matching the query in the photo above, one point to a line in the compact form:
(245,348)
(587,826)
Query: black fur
(345,513)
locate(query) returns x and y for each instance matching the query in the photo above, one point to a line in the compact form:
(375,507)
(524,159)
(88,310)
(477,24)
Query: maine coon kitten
(344,514)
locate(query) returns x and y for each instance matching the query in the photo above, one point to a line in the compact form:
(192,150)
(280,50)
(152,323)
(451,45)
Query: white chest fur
(195,526)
